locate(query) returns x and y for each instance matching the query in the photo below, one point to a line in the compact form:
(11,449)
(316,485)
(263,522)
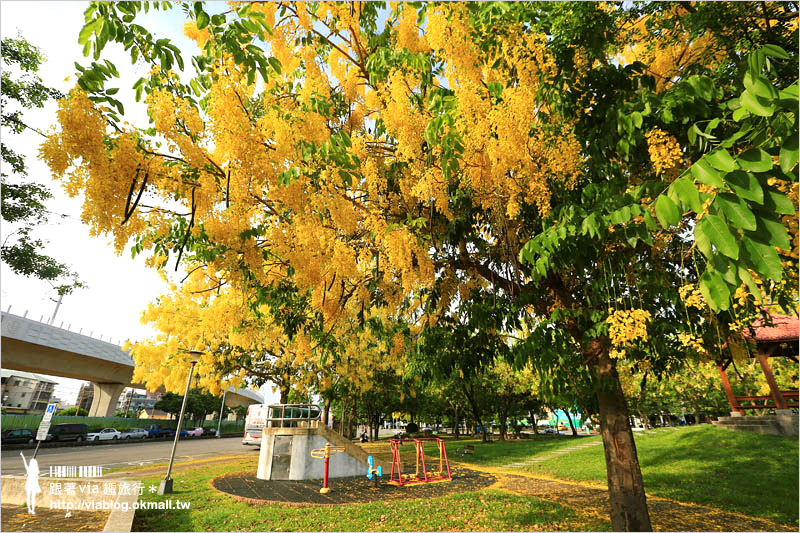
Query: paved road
(118,455)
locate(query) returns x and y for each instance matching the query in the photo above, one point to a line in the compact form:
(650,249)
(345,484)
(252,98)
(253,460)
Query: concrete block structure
(286,451)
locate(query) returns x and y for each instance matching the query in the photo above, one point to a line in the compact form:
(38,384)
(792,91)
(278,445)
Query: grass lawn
(736,471)
(486,510)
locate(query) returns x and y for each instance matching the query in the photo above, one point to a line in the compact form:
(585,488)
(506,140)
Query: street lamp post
(221,411)
(166,484)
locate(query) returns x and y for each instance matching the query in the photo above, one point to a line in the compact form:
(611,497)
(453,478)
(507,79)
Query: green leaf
(745,276)
(715,290)
(755,63)
(703,240)
(87,31)
(788,155)
(721,160)
(775,51)
(637,119)
(755,160)
(704,173)
(757,106)
(202,20)
(649,222)
(275,64)
(777,202)
(726,268)
(715,230)
(745,185)
(736,210)
(687,193)
(740,113)
(771,231)
(763,89)
(667,212)
(763,259)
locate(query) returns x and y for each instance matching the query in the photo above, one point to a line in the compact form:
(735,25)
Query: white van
(257,415)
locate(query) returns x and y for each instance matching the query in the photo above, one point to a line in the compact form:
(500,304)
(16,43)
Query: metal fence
(99,422)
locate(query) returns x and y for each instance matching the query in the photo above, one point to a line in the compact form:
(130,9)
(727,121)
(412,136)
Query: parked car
(65,432)
(209,431)
(550,430)
(105,434)
(196,432)
(157,431)
(135,433)
(17,436)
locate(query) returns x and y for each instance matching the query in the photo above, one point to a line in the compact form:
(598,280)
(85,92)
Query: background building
(85,397)
(133,401)
(25,392)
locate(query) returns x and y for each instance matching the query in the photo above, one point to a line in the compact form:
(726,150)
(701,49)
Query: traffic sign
(44,426)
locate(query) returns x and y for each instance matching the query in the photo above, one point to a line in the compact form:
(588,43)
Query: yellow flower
(665,152)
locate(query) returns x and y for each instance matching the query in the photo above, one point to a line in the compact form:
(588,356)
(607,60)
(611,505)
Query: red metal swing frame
(400,479)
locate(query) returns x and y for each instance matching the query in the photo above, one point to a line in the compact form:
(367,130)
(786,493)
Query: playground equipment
(290,432)
(372,472)
(421,475)
(325,453)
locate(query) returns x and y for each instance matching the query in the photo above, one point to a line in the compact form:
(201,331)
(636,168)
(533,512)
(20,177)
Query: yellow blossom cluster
(668,52)
(691,296)
(665,152)
(627,325)
(692,341)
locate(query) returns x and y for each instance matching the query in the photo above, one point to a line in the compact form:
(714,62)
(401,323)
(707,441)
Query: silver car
(135,433)
(105,434)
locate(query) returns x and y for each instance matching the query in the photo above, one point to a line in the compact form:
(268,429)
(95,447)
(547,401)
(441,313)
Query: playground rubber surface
(16,518)
(245,486)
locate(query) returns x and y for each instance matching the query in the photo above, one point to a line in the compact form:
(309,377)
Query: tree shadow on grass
(747,473)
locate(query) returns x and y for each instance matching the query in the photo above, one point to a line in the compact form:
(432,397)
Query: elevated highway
(33,346)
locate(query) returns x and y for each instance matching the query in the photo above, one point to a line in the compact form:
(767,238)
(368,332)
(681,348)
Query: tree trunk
(625,486)
(535,424)
(696,415)
(326,411)
(476,413)
(284,394)
(503,416)
(572,426)
(645,420)
(456,422)
(343,416)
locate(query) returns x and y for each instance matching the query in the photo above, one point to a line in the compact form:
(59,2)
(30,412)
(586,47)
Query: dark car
(157,431)
(63,432)
(17,436)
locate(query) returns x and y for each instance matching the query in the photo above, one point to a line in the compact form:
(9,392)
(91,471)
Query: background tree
(169,403)
(23,203)
(73,411)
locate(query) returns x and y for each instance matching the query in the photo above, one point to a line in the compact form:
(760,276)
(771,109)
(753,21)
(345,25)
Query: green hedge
(97,423)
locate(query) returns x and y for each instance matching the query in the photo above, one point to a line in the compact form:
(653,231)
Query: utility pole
(221,411)
(58,304)
(130,398)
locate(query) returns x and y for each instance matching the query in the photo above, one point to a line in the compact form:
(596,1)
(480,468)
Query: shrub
(412,427)
(73,411)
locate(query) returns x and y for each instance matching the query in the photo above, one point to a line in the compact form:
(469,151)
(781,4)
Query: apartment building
(25,392)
